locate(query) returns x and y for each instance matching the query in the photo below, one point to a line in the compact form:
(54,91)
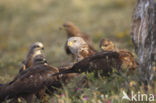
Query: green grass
(23,22)
(102,90)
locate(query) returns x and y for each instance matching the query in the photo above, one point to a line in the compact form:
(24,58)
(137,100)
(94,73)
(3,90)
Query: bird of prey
(35,80)
(30,81)
(107,45)
(73,31)
(126,57)
(79,48)
(35,49)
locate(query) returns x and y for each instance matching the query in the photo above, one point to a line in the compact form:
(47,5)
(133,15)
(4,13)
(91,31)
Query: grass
(23,22)
(102,90)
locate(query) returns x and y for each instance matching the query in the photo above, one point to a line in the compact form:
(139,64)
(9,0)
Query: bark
(143,33)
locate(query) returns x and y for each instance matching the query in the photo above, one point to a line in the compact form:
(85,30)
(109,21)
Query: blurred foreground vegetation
(23,22)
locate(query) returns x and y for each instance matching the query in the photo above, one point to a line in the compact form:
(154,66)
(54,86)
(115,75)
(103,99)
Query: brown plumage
(35,81)
(30,81)
(35,49)
(67,78)
(107,45)
(79,48)
(62,79)
(126,57)
(103,61)
(73,31)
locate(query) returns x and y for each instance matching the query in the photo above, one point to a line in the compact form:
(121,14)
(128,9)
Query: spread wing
(103,61)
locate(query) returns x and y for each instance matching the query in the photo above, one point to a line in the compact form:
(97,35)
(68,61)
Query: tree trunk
(143,33)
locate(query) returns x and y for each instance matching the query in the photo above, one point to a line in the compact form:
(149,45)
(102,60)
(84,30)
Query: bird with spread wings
(104,61)
(88,60)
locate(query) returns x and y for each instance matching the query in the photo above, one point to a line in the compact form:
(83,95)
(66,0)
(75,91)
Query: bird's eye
(37,46)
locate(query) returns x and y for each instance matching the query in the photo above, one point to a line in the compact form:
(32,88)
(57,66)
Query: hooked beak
(70,43)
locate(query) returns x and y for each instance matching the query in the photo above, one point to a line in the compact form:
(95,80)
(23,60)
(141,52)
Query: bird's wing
(103,61)
(30,82)
(22,66)
(89,41)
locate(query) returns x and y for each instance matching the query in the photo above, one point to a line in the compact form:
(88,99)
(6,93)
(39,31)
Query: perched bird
(35,49)
(35,80)
(126,57)
(30,81)
(73,31)
(79,48)
(107,45)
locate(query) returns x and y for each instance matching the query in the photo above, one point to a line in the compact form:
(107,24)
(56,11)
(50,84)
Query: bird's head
(36,48)
(70,28)
(75,44)
(107,45)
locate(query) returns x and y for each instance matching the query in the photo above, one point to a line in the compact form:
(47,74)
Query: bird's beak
(70,43)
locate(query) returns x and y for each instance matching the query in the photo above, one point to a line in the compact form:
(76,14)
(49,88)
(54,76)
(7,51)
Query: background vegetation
(23,22)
